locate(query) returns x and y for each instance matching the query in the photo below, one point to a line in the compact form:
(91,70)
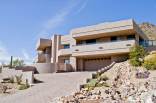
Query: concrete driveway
(54,85)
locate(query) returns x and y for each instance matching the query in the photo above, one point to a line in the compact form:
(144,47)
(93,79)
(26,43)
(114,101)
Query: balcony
(43,43)
(64,52)
(107,48)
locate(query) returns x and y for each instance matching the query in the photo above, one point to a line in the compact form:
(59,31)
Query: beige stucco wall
(45,67)
(66,39)
(104,47)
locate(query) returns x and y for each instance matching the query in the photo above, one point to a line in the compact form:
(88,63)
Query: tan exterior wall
(66,39)
(77,54)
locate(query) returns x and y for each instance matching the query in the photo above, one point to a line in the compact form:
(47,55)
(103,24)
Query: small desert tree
(18,62)
(137,54)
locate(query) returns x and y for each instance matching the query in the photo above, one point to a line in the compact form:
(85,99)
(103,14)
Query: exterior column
(53,51)
(73,63)
(137,37)
(80,64)
(58,43)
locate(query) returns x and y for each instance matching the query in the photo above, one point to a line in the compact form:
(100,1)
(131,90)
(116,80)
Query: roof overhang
(123,27)
(43,43)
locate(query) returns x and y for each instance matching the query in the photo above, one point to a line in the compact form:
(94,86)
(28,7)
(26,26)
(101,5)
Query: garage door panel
(94,65)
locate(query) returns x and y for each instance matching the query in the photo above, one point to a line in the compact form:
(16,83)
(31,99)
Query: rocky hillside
(149,30)
(125,84)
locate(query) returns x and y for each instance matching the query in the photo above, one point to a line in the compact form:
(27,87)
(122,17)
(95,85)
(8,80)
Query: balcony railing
(148,43)
(64,52)
(103,48)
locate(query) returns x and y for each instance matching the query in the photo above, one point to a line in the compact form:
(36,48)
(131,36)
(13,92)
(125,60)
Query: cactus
(11,61)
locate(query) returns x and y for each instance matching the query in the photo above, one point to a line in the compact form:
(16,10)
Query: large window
(83,42)
(66,46)
(91,41)
(130,37)
(113,38)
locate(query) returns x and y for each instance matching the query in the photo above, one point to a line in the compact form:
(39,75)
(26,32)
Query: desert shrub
(102,84)
(96,75)
(150,62)
(136,55)
(18,79)
(4,88)
(91,84)
(27,83)
(150,65)
(23,86)
(103,78)
(88,87)
(11,80)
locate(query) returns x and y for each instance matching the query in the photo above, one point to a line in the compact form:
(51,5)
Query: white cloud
(84,4)
(61,16)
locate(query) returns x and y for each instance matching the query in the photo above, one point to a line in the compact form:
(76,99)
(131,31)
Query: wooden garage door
(96,64)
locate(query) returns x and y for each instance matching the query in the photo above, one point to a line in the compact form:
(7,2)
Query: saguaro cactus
(11,61)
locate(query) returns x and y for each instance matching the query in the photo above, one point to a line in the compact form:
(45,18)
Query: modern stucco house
(89,48)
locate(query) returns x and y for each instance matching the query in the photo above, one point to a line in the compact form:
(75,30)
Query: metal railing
(147,43)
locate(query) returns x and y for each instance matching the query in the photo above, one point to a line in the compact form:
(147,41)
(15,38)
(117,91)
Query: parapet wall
(45,67)
(52,67)
(28,75)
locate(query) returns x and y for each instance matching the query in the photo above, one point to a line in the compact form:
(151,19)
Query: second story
(104,38)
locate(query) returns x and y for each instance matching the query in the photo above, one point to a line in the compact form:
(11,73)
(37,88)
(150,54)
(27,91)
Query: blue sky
(22,22)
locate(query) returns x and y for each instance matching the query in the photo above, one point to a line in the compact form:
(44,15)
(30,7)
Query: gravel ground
(53,86)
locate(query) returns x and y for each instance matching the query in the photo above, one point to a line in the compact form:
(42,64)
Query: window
(113,38)
(83,42)
(91,41)
(130,37)
(66,46)
(66,61)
